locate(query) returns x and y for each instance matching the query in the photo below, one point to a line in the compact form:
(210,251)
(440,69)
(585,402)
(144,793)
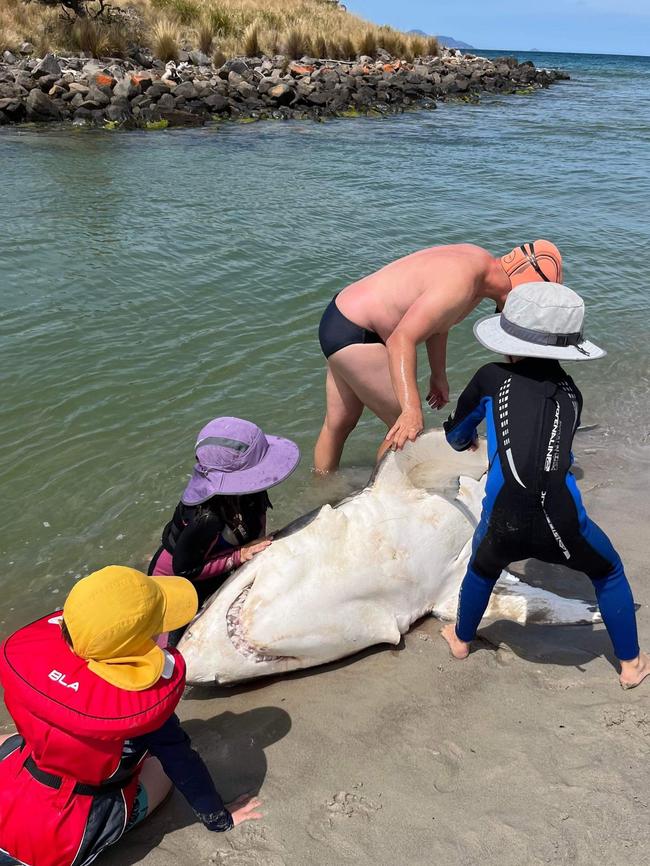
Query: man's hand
(407,428)
(438,395)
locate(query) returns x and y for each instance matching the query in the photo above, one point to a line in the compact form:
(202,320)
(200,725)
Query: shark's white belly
(355,575)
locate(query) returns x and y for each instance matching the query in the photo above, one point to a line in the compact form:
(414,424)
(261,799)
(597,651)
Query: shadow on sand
(232,745)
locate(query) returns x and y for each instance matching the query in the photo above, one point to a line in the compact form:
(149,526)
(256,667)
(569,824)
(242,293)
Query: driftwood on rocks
(141,91)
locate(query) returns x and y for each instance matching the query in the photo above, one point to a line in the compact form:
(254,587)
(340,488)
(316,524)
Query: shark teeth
(236,634)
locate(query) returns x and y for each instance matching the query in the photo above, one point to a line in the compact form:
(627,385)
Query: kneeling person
(532,506)
(98,744)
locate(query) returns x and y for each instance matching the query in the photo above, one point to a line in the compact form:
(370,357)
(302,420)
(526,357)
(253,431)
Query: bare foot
(457,647)
(634,672)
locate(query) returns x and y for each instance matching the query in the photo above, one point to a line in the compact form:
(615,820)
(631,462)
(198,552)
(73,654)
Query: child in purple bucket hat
(220,521)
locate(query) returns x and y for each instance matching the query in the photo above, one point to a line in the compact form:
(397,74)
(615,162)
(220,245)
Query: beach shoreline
(125,94)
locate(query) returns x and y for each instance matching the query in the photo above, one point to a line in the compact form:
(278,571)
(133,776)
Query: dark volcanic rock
(216,102)
(41,107)
(82,114)
(24,79)
(166,101)
(318,97)
(157,89)
(98,97)
(186,90)
(198,58)
(14,109)
(118,110)
(239,66)
(174,117)
(46,82)
(10,91)
(254,87)
(49,65)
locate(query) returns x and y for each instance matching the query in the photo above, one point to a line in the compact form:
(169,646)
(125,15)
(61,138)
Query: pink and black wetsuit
(203,542)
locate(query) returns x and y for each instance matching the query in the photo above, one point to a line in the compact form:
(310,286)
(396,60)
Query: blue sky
(598,26)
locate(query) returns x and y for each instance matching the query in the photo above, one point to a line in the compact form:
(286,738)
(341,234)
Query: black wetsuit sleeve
(194,544)
(460,427)
(186,769)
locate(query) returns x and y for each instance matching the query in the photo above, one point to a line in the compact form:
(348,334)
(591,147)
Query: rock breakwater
(143,92)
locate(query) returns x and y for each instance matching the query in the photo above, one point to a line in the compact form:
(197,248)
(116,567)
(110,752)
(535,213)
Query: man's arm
(460,427)
(438,395)
(433,313)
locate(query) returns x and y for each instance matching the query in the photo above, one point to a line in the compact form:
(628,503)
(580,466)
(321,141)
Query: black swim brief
(336,331)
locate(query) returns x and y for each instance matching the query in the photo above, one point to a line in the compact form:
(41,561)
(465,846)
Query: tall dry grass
(230,27)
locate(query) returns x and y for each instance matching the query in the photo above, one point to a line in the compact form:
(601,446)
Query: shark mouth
(236,632)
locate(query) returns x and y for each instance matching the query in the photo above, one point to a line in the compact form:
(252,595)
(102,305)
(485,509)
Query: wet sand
(527,753)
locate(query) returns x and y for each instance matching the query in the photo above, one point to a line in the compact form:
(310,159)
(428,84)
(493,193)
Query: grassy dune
(219,28)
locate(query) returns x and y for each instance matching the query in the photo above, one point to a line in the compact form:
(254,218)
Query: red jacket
(74,725)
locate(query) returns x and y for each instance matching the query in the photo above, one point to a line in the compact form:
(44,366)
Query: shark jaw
(235,629)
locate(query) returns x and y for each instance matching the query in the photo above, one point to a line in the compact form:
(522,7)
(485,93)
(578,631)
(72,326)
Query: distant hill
(448,41)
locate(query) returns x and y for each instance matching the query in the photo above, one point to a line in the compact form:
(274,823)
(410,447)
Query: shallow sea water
(153,281)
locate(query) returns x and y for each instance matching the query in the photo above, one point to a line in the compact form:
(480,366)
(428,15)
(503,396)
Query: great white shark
(361,572)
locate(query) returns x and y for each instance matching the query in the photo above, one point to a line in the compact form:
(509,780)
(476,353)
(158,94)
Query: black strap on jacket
(54,781)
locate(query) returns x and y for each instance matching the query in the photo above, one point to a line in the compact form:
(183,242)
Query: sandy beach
(527,753)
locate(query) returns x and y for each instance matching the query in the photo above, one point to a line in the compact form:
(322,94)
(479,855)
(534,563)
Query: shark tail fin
(518,601)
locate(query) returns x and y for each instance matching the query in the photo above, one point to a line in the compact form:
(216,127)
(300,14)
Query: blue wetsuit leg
(475,592)
(614,594)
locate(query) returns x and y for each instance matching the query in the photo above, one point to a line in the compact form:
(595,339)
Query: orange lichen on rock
(103,80)
(299,69)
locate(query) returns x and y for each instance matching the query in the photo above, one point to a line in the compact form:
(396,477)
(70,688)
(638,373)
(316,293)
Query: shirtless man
(370,332)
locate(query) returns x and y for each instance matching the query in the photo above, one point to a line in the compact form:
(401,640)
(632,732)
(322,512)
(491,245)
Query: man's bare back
(380,300)
(370,332)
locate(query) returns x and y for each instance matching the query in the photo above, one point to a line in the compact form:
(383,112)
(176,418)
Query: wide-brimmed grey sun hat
(234,457)
(539,320)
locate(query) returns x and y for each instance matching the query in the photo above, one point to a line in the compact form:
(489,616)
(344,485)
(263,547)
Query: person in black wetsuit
(532,505)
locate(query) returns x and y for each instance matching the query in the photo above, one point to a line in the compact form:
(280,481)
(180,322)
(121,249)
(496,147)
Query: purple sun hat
(234,456)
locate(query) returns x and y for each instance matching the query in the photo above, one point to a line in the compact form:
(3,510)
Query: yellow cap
(112,616)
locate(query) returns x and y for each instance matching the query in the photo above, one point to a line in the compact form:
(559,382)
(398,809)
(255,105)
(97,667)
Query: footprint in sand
(631,719)
(343,811)
(251,846)
(446,767)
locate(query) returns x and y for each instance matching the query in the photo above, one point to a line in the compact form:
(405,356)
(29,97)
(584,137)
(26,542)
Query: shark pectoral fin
(515,600)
